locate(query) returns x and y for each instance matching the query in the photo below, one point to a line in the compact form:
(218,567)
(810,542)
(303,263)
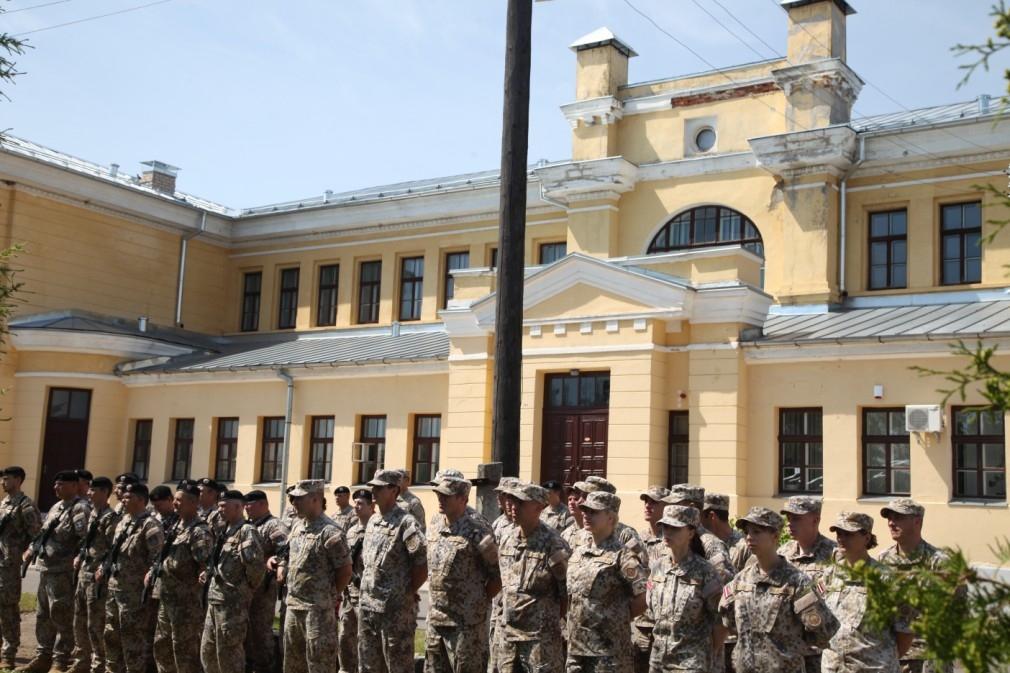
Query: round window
(705,139)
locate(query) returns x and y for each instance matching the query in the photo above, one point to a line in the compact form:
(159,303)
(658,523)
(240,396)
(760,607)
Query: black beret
(66,475)
(255,496)
(341,489)
(233,495)
(552,485)
(363,494)
(137,489)
(102,482)
(85,474)
(14,471)
(207,482)
(161,493)
(188,487)
(128,478)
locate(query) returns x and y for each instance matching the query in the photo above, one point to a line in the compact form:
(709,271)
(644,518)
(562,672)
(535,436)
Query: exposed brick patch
(725,94)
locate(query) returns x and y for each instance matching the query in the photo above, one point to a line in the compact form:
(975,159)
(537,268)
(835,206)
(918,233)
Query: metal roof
(953,320)
(75,320)
(983,106)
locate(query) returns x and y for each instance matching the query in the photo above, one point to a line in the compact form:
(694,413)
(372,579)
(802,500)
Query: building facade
(729,283)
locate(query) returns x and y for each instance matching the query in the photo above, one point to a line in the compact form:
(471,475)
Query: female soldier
(684,599)
(856,647)
(771,605)
(606,589)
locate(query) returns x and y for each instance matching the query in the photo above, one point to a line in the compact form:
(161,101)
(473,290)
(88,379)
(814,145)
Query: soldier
(316,573)
(657,552)
(180,608)
(556,514)
(688,495)
(364,508)
(715,519)
(210,495)
(135,548)
(771,605)
(904,522)
(233,574)
(463,578)
(344,516)
(809,551)
(260,645)
(163,507)
(84,478)
(501,527)
(408,501)
(534,564)
(606,590)
(625,533)
(89,603)
(122,481)
(684,600)
(62,534)
(575,528)
(395,566)
(856,646)
(289,514)
(20,522)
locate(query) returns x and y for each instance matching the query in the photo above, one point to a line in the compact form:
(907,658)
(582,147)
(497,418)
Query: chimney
(816,29)
(159,176)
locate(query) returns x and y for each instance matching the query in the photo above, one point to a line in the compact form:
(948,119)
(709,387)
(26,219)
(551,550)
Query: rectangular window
(801,447)
(369,283)
(888,249)
(272,449)
(886,462)
(411,282)
(492,258)
(453,261)
(370,450)
(960,243)
(326,306)
(321,448)
(427,445)
(142,448)
(288,307)
(678,443)
(182,452)
(251,284)
(552,252)
(979,442)
(227,449)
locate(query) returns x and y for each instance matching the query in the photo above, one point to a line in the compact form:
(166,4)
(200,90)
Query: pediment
(583,300)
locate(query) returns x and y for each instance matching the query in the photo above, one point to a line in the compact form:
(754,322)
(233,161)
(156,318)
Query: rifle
(111,558)
(39,543)
(212,565)
(159,564)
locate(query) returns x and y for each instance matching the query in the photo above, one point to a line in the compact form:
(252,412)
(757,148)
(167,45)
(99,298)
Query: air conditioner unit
(923,418)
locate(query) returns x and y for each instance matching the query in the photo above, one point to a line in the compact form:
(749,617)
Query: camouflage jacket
(237,566)
(317,550)
(393,544)
(101,530)
(274,535)
(534,583)
(925,555)
(139,539)
(71,520)
(855,646)
(345,518)
(355,542)
(717,553)
(411,504)
(813,563)
(558,518)
(462,559)
(23,523)
(501,527)
(188,557)
(215,521)
(684,605)
(657,553)
(626,535)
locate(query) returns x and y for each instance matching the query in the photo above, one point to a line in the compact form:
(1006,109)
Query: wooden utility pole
(508,353)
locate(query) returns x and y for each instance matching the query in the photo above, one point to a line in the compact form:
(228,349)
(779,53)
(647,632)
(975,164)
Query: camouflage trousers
(347,641)
(89,623)
(126,632)
(530,656)
(10,613)
(222,645)
(54,614)
(177,636)
(623,663)
(260,645)
(386,640)
(450,649)
(310,641)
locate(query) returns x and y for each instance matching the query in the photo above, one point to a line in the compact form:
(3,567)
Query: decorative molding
(565,182)
(67,375)
(315,373)
(758,354)
(831,74)
(831,149)
(117,345)
(664,100)
(708,164)
(927,181)
(604,111)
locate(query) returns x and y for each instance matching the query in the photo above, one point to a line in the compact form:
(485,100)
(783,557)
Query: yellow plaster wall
(599,72)
(816,31)
(701,80)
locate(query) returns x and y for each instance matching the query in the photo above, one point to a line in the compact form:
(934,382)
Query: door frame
(44,495)
(574,415)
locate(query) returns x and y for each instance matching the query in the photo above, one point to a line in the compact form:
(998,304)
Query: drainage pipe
(283,373)
(183,247)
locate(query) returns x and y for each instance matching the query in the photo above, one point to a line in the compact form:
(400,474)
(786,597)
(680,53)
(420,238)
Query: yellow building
(727,284)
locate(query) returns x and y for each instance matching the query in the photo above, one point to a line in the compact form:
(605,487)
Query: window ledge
(878,498)
(988,504)
(268,485)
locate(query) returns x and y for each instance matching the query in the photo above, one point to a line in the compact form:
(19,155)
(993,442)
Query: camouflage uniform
(557,517)
(739,552)
(89,603)
(533,571)
(684,603)
(260,646)
(23,521)
(236,570)
(345,518)
(501,527)
(814,562)
(215,520)
(136,547)
(317,551)
(348,639)
(411,504)
(393,544)
(54,627)
(462,559)
(855,647)
(642,626)
(180,607)
(573,534)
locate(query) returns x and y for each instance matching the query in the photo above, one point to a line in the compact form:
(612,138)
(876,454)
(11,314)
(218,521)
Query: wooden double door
(575,424)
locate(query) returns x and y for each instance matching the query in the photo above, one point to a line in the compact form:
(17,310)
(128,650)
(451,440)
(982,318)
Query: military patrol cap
(128,478)
(506,483)
(585,487)
(686,493)
(362,494)
(255,496)
(66,475)
(446,473)
(761,516)
(385,478)
(14,471)
(102,482)
(453,486)
(233,495)
(84,475)
(159,493)
(802,504)
(529,492)
(679,516)
(852,522)
(341,489)
(717,501)
(602,484)
(602,501)
(655,493)
(902,506)
(137,489)
(189,487)
(306,486)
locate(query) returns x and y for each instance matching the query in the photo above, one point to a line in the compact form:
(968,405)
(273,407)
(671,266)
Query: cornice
(604,111)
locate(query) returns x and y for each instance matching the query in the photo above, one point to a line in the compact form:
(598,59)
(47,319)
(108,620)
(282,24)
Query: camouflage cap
(655,493)
(602,484)
(853,522)
(453,486)
(448,473)
(686,493)
(717,501)
(506,483)
(602,501)
(385,478)
(306,486)
(585,487)
(529,492)
(761,516)
(801,504)
(679,516)
(903,506)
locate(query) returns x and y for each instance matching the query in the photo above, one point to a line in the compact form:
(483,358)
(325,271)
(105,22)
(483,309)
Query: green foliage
(28,602)
(10,48)
(979,374)
(992,46)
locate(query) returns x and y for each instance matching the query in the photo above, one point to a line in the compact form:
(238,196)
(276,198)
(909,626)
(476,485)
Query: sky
(262,101)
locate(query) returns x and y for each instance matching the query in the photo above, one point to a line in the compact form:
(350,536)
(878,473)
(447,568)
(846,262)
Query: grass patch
(419,643)
(28,602)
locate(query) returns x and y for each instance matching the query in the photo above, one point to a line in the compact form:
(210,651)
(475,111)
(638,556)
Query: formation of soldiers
(190,580)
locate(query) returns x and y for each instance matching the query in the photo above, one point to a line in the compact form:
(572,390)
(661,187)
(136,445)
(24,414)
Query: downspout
(843,209)
(184,246)
(547,199)
(287,439)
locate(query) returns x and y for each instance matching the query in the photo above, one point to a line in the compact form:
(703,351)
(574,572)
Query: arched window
(706,226)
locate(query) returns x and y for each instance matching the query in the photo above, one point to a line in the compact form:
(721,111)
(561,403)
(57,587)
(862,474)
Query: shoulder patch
(805,601)
(559,557)
(713,587)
